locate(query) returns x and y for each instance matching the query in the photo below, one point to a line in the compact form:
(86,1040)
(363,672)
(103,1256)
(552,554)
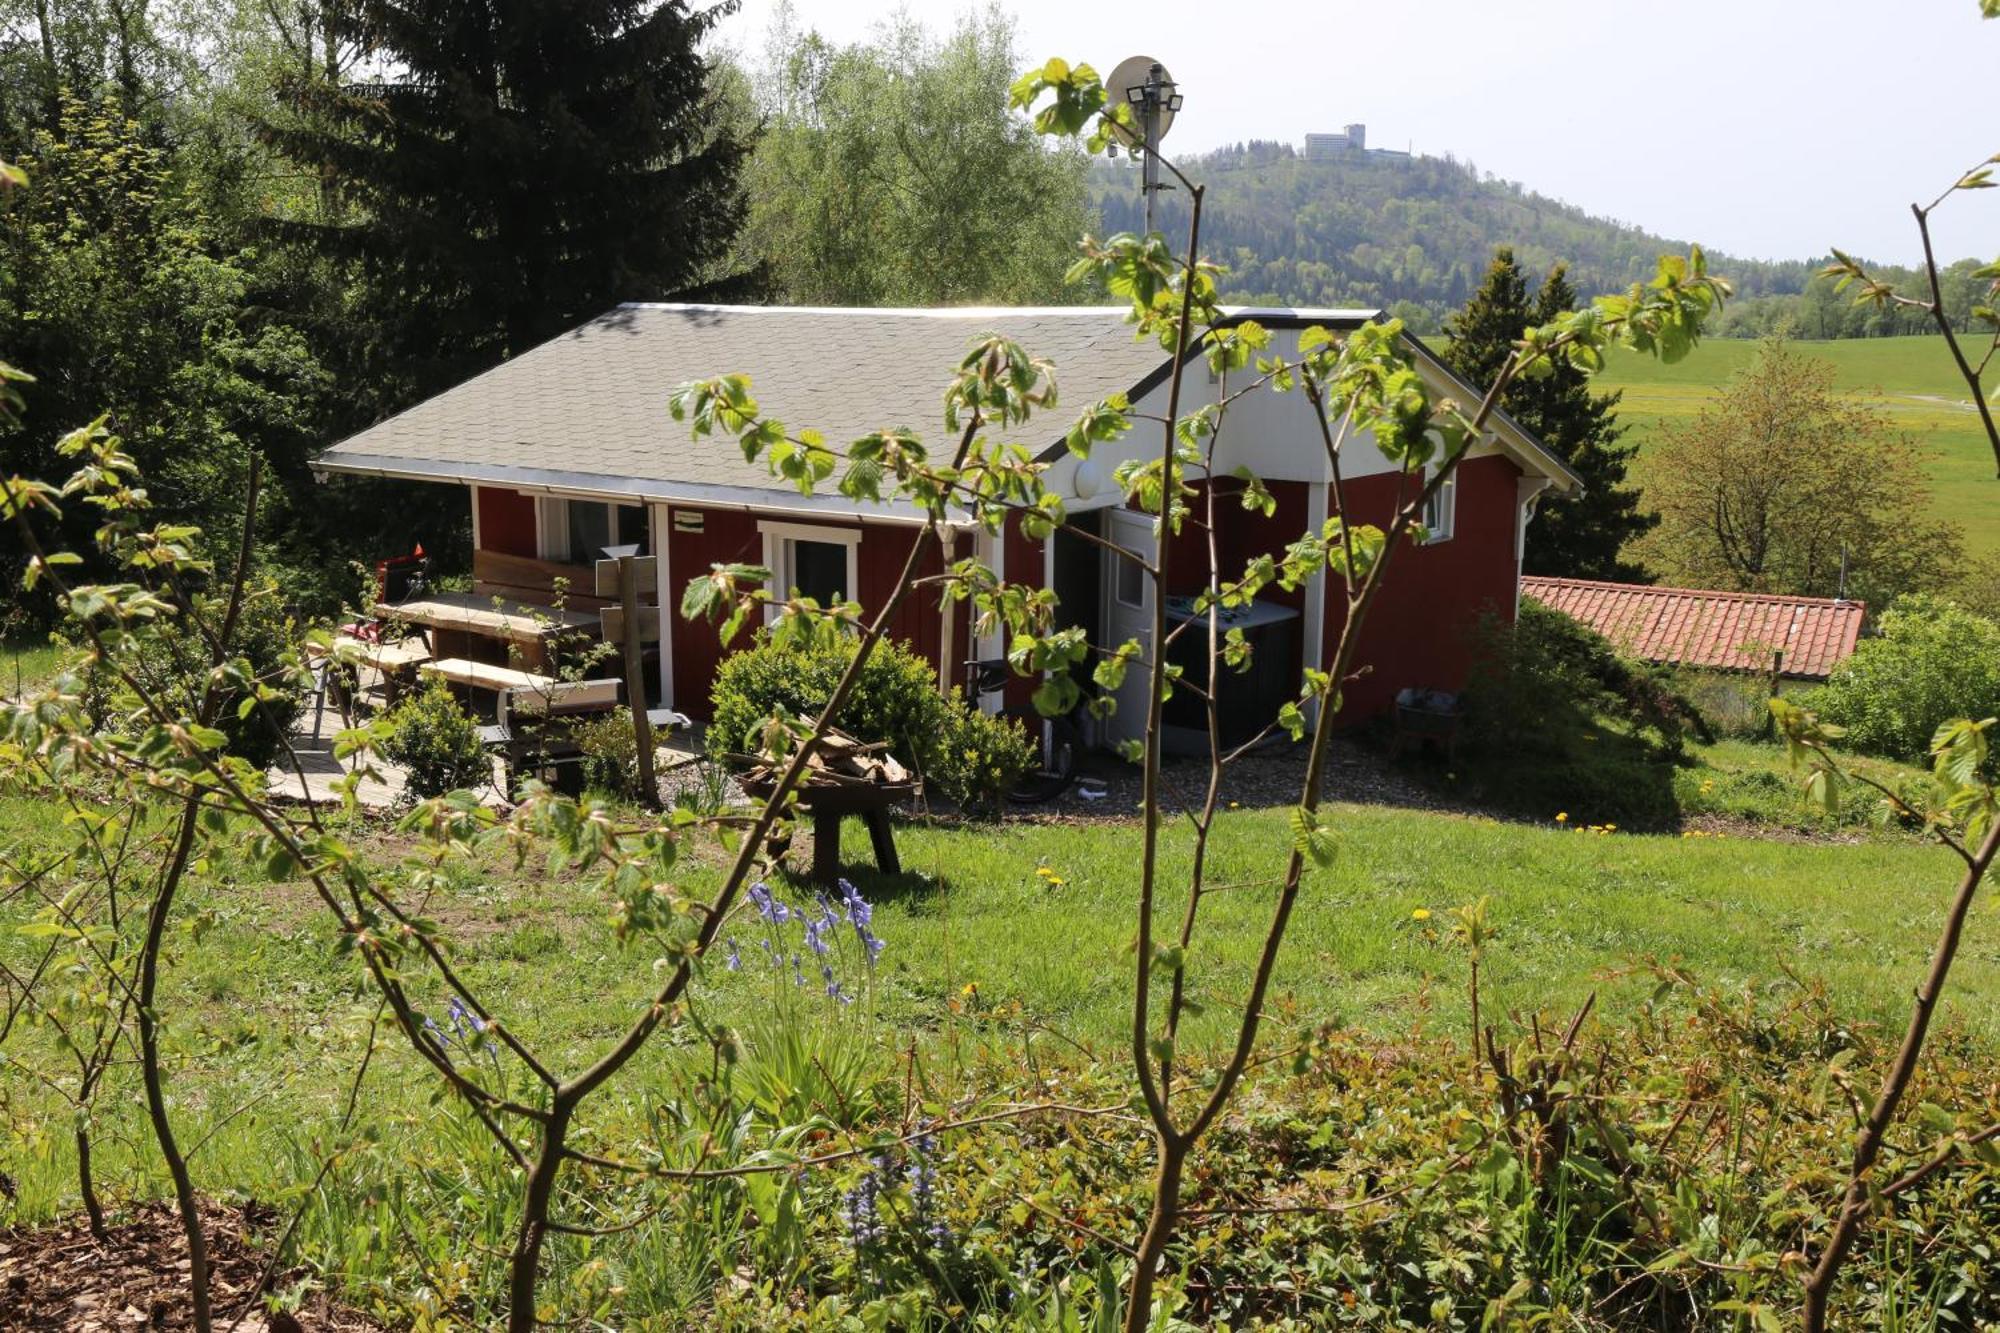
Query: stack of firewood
(838,761)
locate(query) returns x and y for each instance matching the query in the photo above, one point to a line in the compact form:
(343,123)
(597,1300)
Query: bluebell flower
(735,959)
(854,907)
(768,906)
(816,936)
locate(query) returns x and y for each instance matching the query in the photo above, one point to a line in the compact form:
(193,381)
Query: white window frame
(552,522)
(778,539)
(1443,507)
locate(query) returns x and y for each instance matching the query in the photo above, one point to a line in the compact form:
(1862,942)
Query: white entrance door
(1128,614)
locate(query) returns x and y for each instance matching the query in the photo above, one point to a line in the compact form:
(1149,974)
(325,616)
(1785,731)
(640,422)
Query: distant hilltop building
(1324,147)
(1353,139)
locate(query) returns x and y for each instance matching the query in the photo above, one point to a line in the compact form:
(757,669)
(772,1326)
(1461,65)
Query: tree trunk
(524,1266)
(1159,1230)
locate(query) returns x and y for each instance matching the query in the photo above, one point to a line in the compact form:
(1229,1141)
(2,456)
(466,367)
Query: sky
(1765,129)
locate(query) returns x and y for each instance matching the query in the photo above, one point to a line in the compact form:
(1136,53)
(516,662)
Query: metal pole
(1149,112)
(1151,125)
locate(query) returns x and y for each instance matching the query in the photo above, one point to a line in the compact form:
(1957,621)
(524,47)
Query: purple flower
(816,936)
(864,1217)
(854,907)
(735,960)
(922,1179)
(768,906)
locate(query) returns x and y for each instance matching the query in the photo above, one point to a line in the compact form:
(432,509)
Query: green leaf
(1313,838)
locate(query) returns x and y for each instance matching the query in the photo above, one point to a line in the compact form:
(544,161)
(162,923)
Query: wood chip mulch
(60,1277)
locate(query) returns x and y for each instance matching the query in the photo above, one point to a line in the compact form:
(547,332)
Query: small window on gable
(1441,511)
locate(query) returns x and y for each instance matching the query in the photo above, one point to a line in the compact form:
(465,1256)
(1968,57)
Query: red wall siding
(1420,632)
(879,561)
(1421,629)
(732,537)
(1025,564)
(507,521)
(727,537)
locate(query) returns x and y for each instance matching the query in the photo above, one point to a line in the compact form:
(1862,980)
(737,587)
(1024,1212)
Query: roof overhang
(590,486)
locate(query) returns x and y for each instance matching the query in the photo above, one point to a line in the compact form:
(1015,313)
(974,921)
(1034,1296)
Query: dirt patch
(61,1277)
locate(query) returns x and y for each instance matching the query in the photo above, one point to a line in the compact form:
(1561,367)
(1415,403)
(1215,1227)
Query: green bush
(1556,721)
(981,758)
(1933,662)
(437,742)
(610,753)
(963,755)
(1547,670)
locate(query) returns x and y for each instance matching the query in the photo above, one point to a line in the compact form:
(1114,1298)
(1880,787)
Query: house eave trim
(636,490)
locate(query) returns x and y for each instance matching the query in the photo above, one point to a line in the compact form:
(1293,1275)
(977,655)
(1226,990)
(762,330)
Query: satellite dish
(1088,479)
(1133,72)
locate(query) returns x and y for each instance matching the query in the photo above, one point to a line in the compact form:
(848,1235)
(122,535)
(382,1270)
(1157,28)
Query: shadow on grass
(1591,772)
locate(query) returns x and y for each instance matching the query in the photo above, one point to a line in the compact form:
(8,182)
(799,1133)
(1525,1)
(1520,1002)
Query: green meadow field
(1918,384)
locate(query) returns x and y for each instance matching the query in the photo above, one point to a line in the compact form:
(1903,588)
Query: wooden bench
(527,691)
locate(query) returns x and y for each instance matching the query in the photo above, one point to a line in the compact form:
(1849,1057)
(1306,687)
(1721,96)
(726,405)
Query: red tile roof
(1732,631)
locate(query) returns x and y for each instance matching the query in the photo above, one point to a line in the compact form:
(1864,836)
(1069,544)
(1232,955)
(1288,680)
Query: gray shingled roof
(588,410)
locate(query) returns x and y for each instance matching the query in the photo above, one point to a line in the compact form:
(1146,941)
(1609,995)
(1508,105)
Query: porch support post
(1312,627)
(948,637)
(660,526)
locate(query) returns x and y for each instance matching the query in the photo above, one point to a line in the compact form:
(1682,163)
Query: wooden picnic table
(469,613)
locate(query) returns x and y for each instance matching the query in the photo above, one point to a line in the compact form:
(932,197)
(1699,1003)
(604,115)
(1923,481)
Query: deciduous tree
(893,172)
(1780,484)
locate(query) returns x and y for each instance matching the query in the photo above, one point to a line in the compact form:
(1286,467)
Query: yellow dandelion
(1421,914)
(1562,816)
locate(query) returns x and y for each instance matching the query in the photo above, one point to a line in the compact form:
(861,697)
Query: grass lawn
(260,994)
(1006,963)
(25,661)
(1921,388)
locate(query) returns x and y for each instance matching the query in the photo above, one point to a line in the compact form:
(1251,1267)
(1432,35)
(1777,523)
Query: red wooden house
(569,447)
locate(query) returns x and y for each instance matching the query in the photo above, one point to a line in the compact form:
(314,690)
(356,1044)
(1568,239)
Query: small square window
(817,570)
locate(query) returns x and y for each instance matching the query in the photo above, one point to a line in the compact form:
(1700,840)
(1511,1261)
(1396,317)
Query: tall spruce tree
(527,166)
(1580,536)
